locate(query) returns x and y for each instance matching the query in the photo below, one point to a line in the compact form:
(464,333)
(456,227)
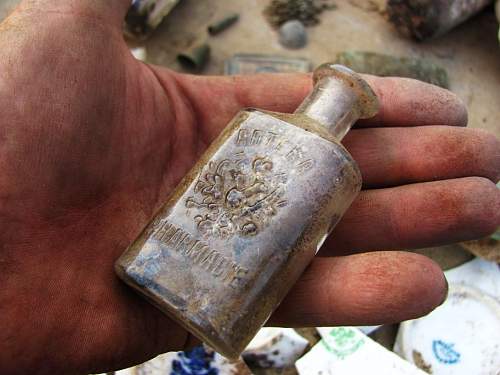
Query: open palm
(93,141)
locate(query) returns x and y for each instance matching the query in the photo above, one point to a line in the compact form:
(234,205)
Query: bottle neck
(333,104)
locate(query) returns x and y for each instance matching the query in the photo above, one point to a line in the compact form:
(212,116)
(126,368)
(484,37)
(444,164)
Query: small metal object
(144,16)
(195,58)
(242,226)
(497,11)
(425,19)
(392,66)
(253,64)
(293,34)
(222,24)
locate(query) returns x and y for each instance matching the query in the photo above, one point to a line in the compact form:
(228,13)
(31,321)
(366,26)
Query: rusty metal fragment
(243,63)
(425,19)
(392,66)
(222,24)
(194,58)
(144,16)
(242,226)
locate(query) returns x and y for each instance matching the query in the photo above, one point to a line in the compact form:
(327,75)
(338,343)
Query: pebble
(293,34)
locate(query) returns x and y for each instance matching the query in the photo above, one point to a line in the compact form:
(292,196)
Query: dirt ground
(470,53)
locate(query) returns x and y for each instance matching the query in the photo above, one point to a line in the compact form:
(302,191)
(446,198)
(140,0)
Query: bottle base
(196,324)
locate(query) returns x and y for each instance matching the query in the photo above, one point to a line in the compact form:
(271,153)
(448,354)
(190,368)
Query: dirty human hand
(93,141)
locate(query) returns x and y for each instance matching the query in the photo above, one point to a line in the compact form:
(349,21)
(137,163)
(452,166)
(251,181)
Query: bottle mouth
(368,104)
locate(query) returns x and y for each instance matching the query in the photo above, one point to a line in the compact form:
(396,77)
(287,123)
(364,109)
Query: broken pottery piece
(197,361)
(139,53)
(487,248)
(478,273)
(347,351)
(459,337)
(275,348)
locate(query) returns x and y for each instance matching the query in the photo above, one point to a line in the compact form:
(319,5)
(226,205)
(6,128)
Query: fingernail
(447,286)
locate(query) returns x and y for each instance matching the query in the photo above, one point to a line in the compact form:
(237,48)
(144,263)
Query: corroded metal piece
(391,66)
(242,226)
(243,63)
(222,24)
(424,19)
(144,16)
(497,11)
(194,58)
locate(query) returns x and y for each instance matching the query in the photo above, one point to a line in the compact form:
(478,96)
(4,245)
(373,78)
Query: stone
(293,34)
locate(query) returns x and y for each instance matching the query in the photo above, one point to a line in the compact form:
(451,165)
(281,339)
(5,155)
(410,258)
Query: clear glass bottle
(242,226)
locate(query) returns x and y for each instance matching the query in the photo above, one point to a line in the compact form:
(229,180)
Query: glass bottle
(242,226)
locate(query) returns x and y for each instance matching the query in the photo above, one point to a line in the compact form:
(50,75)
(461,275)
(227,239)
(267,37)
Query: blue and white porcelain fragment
(461,336)
(197,361)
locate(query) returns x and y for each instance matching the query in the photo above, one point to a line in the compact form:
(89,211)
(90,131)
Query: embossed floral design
(237,196)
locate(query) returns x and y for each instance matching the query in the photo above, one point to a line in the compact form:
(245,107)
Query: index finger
(404,102)
(408,102)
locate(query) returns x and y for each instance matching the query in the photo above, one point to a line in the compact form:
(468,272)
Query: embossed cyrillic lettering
(199,253)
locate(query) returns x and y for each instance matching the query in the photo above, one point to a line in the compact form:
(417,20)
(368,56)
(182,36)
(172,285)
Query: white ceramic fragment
(461,337)
(347,351)
(198,361)
(275,347)
(478,273)
(139,53)
(368,329)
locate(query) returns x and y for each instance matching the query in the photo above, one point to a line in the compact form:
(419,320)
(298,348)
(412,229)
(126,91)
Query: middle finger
(396,156)
(417,215)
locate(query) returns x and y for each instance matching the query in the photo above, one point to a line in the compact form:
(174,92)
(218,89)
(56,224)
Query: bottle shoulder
(296,129)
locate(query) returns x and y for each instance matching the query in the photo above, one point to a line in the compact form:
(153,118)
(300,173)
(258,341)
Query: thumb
(108,12)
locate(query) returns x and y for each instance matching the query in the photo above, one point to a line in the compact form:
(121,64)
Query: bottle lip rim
(368,101)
